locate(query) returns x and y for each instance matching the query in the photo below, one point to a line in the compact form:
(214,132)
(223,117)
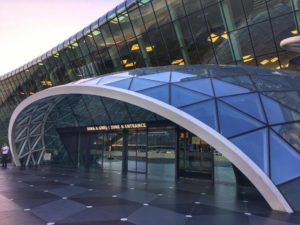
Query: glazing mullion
(209,31)
(159,29)
(273,34)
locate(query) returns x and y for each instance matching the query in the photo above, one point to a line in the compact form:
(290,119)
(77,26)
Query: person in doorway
(5,151)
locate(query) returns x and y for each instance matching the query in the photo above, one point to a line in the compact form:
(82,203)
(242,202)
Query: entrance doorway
(159,149)
(137,151)
(196,157)
(149,151)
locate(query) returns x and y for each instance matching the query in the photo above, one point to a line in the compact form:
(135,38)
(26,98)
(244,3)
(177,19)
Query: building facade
(145,33)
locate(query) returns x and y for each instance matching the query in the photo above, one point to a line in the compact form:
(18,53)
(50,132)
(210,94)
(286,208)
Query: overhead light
(294,32)
(225,35)
(275,59)
(213,38)
(40,62)
(124,61)
(264,62)
(47,83)
(130,64)
(278,67)
(74,44)
(177,62)
(135,47)
(96,32)
(122,17)
(56,55)
(247,58)
(149,48)
(114,20)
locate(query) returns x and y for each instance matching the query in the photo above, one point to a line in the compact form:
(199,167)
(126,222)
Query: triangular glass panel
(277,113)
(177,76)
(124,84)
(202,86)
(181,96)
(117,111)
(160,93)
(38,117)
(255,146)
(248,103)
(290,99)
(21,133)
(291,133)
(162,77)
(34,142)
(37,129)
(139,114)
(223,88)
(243,81)
(233,122)
(141,84)
(204,111)
(285,161)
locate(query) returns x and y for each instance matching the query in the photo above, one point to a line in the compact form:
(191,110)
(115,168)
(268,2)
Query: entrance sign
(116,127)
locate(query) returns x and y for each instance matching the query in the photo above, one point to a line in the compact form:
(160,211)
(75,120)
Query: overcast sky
(29,28)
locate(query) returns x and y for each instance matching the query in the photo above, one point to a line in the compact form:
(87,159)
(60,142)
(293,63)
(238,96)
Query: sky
(29,28)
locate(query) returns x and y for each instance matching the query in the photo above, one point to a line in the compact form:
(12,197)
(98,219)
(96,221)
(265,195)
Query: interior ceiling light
(177,62)
(135,47)
(95,32)
(74,44)
(130,64)
(149,48)
(294,32)
(213,38)
(247,58)
(264,62)
(56,54)
(225,35)
(275,59)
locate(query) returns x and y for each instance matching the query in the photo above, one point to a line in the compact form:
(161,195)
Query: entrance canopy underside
(234,109)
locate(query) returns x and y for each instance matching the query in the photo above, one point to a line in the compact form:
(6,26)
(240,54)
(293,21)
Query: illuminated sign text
(116,127)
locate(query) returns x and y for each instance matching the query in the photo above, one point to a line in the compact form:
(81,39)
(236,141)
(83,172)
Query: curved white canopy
(235,155)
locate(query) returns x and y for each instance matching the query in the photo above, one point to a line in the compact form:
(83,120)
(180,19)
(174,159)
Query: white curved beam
(258,178)
(291,44)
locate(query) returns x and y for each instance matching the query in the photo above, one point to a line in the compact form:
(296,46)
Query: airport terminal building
(176,88)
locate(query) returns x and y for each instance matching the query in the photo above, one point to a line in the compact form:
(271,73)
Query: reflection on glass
(161,151)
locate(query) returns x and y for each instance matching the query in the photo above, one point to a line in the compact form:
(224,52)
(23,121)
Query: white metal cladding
(41,103)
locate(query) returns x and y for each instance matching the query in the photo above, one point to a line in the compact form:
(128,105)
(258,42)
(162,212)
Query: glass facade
(149,33)
(251,107)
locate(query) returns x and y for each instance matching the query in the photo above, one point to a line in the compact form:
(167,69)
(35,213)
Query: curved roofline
(258,178)
(97,23)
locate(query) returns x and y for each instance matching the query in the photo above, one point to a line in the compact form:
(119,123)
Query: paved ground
(52,195)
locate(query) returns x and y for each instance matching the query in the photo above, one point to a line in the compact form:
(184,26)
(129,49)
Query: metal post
(125,151)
